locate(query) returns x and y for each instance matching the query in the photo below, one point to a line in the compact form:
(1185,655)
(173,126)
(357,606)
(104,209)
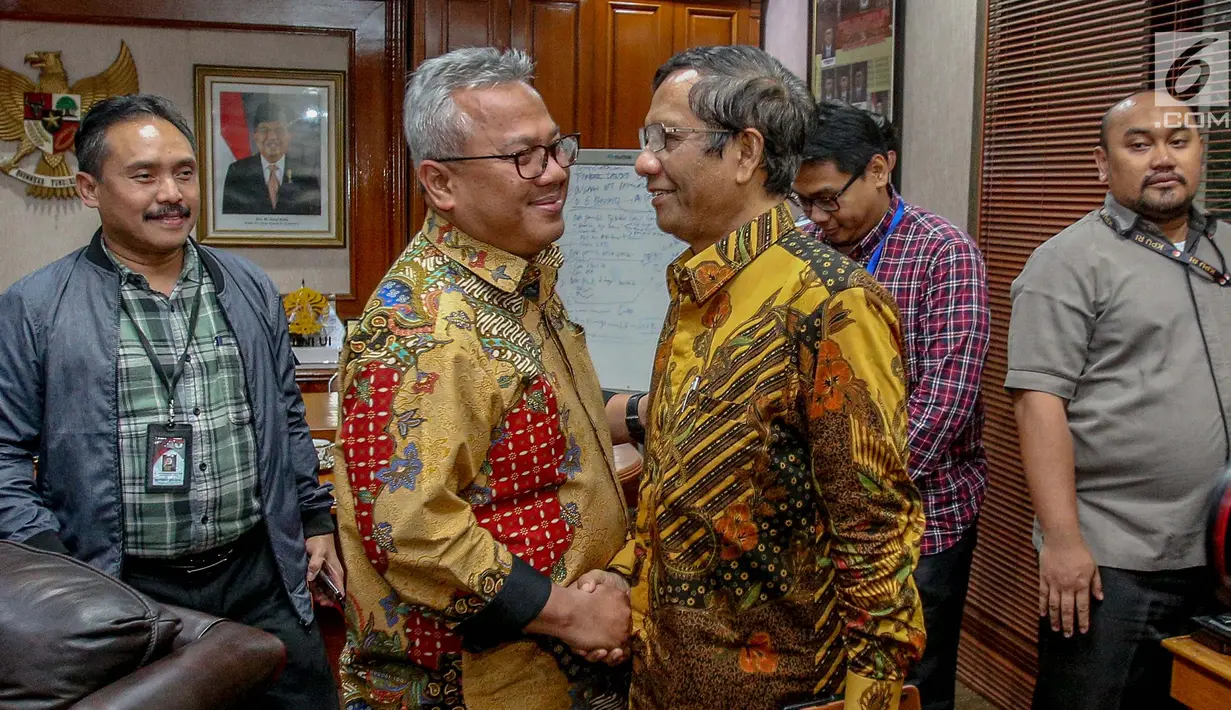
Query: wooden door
(631,40)
(552,32)
(446,25)
(698,24)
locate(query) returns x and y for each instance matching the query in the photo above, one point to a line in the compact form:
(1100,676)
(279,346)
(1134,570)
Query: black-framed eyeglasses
(654,136)
(828,203)
(532,162)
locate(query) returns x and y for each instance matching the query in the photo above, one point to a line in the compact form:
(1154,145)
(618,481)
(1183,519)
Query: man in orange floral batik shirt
(777,528)
(478,478)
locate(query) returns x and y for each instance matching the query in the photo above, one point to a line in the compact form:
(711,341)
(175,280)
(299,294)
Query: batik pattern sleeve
(416,445)
(857,419)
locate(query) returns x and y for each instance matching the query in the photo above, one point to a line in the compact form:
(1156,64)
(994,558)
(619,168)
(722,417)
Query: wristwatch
(632,419)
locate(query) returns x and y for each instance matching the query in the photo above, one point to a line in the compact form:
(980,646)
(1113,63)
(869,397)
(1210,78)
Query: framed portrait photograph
(270,151)
(855,53)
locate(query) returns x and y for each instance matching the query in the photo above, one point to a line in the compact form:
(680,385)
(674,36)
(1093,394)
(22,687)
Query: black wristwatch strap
(632,419)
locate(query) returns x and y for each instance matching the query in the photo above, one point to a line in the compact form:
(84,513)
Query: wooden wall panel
(452,24)
(697,26)
(376,186)
(551,32)
(633,40)
(465,23)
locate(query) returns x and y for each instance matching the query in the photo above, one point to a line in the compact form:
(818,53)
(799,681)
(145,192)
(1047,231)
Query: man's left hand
(323,557)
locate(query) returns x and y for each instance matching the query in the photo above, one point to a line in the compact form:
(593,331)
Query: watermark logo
(1191,68)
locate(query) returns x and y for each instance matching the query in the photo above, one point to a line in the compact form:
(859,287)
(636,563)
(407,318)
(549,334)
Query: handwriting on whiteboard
(615,261)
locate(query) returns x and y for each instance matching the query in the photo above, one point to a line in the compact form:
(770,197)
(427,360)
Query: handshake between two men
(592,615)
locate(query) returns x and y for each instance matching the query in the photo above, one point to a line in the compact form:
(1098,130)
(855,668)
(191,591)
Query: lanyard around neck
(1186,257)
(893,225)
(170,382)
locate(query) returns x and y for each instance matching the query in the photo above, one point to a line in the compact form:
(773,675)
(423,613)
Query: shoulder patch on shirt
(836,271)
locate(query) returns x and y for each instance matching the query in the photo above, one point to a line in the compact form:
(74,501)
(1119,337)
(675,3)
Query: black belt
(194,564)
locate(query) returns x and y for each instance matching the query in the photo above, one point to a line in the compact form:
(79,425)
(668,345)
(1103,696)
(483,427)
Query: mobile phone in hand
(326,585)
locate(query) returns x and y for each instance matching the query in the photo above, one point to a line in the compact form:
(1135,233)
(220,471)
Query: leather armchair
(214,663)
(77,638)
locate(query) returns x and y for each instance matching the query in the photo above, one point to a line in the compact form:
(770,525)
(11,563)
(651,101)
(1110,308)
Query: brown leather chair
(77,638)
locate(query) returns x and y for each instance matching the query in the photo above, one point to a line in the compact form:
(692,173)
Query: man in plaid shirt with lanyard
(935,272)
(153,378)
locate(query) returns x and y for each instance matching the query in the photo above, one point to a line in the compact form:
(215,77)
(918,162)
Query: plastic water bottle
(335,333)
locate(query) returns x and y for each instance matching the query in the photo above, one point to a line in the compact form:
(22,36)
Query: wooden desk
(321,411)
(1200,676)
(314,378)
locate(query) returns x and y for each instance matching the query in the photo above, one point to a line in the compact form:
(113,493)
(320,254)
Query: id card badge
(168,458)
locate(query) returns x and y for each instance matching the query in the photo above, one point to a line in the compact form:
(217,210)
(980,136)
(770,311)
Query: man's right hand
(1068,577)
(603,620)
(589,582)
(586,621)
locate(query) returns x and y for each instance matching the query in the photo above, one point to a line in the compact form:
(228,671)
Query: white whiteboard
(615,265)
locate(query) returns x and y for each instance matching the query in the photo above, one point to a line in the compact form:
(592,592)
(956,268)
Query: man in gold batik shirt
(777,528)
(478,476)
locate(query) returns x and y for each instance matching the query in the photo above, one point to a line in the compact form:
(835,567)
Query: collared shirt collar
(704,274)
(862,251)
(1125,219)
(188,273)
(281,168)
(534,278)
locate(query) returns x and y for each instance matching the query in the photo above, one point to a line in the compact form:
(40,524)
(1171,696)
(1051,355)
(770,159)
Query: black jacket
(59,340)
(245,191)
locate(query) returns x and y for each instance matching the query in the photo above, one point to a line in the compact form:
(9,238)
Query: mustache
(181,211)
(1162,177)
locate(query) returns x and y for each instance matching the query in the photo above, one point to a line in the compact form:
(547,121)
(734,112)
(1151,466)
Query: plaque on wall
(853,48)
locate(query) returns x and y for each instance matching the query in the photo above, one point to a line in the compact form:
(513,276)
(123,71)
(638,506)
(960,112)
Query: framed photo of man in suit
(856,53)
(270,151)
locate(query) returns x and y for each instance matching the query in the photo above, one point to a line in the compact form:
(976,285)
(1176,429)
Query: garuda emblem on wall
(44,117)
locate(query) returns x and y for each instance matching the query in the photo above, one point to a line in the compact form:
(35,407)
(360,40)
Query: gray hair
(435,127)
(743,87)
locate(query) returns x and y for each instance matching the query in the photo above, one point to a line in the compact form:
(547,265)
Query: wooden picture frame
(854,53)
(271,155)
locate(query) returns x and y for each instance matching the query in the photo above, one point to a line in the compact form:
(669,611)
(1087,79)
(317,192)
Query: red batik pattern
(367,408)
(524,512)
(429,638)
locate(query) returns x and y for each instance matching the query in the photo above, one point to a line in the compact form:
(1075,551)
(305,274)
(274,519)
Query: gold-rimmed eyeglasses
(654,136)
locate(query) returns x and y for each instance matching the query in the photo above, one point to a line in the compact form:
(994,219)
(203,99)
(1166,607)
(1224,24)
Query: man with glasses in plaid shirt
(936,274)
(153,378)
